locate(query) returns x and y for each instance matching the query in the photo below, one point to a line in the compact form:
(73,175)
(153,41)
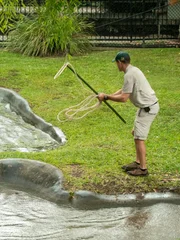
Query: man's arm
(118,97)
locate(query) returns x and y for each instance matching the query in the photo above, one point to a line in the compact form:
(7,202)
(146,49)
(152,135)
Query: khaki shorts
(143,121)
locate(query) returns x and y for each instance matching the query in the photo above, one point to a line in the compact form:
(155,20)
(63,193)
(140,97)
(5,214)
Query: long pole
(87,84)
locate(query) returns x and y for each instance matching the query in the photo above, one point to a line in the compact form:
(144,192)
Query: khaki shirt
(135,83)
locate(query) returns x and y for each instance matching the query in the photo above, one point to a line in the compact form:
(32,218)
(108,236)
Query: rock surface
(21,129)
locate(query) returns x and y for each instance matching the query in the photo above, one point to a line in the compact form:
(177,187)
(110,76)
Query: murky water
(24,216)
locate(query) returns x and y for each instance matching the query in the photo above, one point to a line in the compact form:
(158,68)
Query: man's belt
(147,109)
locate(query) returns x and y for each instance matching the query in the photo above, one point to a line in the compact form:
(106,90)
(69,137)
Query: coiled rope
(86,105)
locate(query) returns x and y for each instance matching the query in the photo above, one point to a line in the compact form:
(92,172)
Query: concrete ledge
(89,200)
(46,181)
(38,178)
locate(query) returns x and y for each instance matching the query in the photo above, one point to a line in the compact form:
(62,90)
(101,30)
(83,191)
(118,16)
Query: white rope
(86,105)
(61,70)
(64,67)
(71,112)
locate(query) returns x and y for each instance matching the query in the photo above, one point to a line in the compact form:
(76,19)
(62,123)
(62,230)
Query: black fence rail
(133,21)
(128,22)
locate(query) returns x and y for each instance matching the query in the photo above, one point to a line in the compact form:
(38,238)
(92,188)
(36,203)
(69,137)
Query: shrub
(8,13)
(55,28)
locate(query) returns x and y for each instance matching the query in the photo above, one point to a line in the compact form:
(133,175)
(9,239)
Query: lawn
(100,143)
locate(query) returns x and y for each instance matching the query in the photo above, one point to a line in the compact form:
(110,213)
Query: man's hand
(101,96)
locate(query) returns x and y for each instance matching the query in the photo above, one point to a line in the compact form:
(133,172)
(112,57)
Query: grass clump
(99,144)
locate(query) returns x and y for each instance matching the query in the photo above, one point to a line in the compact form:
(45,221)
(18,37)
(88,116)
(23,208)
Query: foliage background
(51,28)
(8,13)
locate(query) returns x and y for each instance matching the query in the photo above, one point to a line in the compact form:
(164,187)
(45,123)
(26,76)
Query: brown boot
(131,166)
(138,172)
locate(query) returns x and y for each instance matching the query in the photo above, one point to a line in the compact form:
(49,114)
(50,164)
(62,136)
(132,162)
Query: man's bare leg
(141,153)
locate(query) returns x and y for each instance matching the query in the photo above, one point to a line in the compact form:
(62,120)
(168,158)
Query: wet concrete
(21,129)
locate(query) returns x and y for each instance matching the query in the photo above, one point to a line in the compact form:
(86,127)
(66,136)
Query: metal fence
(130,22)
(133,22)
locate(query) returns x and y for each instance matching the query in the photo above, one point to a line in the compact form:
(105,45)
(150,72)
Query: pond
(25,216)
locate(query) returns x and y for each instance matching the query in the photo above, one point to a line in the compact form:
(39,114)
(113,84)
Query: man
(138,90)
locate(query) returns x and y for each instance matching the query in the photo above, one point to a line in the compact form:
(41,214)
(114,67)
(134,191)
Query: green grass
(99,144)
